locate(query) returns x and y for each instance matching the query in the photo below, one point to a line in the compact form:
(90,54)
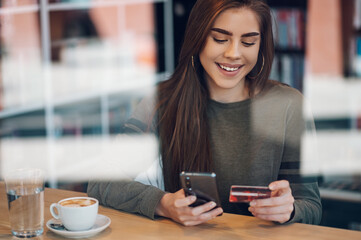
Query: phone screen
(201,185)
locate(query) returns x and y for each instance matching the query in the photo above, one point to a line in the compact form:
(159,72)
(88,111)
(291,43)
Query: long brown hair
(182,100)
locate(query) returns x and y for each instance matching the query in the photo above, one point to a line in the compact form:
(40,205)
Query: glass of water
(25,191)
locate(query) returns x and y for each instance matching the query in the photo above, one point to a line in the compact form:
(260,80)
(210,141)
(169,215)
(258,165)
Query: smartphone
(201,185)
(240,193)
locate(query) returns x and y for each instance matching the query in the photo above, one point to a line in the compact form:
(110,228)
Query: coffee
(77,203)
(77,213)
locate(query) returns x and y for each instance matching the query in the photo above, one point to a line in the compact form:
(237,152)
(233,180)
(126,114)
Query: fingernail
(212,204)
(252,204)
(250,209)
(193,198)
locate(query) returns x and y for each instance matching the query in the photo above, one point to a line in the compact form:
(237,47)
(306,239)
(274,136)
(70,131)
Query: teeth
(228,68)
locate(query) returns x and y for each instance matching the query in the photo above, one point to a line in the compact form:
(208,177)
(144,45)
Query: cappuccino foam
(77,203)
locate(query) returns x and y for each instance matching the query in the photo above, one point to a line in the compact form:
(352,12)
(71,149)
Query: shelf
(341,195)
(70,41)
(279,50)
(145,83)
(333,98)
(86,5)
(300,4)
(71,99)
(357,32)
(14,111)
(19,10)
(72,6)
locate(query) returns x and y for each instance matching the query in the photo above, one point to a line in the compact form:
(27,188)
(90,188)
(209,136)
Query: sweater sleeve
(307,205)
(129,195)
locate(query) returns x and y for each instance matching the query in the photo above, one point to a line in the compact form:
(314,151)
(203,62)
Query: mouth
(229,67)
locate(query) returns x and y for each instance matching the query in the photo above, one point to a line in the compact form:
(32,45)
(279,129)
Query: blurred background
(72,71)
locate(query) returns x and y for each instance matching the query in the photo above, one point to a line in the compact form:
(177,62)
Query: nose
(233,51)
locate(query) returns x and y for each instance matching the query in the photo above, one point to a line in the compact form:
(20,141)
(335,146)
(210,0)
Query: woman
(219,112)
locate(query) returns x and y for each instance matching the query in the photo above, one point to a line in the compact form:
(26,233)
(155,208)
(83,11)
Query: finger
(271,210)
(203,208)
(211,214)
(273,201)
(281,218)
(184,202)
(280,192)
(191,223)
(180,193)
(278,185)
(194,223)
(204,217)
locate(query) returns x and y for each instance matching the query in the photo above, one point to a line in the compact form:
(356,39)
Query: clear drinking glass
(25,192)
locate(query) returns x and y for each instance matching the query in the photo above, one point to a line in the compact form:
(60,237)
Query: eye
(219,40)
(247,44)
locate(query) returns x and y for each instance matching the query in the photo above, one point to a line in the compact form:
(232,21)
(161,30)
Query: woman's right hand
(176,207)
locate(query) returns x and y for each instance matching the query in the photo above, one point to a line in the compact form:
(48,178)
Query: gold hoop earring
(260,70)
(193,62)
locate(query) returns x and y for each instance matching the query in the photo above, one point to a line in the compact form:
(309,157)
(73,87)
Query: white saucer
(101,223)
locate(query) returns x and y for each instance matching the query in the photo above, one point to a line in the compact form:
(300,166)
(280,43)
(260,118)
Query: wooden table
(229,226)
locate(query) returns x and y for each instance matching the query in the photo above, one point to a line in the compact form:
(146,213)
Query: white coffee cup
(77,213)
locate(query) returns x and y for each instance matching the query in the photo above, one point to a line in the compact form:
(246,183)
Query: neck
(236,94)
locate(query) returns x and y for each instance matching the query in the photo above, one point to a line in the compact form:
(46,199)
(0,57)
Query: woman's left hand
(279,207)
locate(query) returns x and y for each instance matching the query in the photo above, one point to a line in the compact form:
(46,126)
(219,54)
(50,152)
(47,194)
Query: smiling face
(230,53)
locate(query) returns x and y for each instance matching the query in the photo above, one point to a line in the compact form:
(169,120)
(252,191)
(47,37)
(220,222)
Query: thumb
(278,185)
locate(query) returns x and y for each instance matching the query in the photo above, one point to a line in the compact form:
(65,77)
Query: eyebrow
(220,30)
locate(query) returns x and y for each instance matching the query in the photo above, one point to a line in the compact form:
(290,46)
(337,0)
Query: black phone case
(202,185)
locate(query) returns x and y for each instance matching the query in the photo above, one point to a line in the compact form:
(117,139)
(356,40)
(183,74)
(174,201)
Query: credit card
(240,193)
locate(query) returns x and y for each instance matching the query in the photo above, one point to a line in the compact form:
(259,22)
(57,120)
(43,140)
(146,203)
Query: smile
(229,68)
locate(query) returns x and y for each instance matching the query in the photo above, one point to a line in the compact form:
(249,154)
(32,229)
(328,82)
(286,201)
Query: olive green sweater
(254,142)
